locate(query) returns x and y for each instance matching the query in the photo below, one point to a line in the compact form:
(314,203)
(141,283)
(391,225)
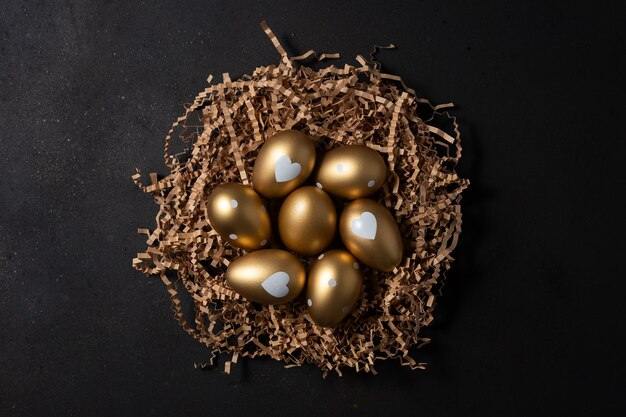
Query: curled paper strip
(224,128)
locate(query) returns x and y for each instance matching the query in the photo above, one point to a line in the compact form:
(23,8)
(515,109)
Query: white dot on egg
(234,203)
(318,185)
(339,167)
(355,265)
(309,302)
(332,283)
(320,257)
(371,183)
(345,309)
(263,242)
(233,236)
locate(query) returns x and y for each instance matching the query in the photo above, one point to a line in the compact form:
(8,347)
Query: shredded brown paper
(224,128)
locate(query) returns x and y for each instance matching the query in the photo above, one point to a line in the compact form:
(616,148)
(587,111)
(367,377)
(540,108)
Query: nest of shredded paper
(224,128)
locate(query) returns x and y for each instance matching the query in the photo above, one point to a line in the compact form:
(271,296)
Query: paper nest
(224,128)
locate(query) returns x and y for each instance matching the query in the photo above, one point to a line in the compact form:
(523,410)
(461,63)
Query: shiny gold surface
(238,214)
(351,172)
(307,220)
(333,287)
(284,162)
(375,243)
(268,276)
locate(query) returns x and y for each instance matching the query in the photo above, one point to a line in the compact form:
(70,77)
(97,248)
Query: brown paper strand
(224,128)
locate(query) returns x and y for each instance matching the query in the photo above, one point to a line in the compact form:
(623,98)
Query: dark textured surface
(532,314)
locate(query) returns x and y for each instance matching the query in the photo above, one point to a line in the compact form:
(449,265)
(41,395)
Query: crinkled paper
(224,128)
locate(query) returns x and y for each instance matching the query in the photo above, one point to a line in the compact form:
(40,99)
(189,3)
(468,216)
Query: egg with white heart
(268,276)
(351,172)
(239,216)
(370,233)
(333,287)
(284,162)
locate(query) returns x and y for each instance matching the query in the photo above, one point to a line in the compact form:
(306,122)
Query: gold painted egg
(333,287)
(238,214)
(351,172)
(370,233)
(307,220)
(284,162)
(268,276)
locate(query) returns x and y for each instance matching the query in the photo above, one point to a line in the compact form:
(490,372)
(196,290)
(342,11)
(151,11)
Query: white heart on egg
(364,226)
(285,170)
(276,284)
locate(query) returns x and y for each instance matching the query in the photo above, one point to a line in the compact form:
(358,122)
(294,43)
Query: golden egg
(307,220)
(238,214)
(370,233)
(334,286)
(268,276)
(284,162)
(351,172)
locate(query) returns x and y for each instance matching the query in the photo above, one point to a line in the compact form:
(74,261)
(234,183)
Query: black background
(531,318)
